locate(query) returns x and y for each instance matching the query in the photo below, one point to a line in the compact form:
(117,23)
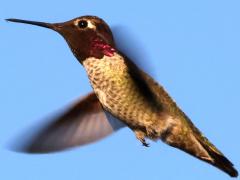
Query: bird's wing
(83,123)
(183,135)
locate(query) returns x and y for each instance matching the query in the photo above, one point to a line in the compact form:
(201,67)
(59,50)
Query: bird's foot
(144,143)
(141,137)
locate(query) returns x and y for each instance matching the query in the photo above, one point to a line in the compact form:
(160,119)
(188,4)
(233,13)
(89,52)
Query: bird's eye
(82,24)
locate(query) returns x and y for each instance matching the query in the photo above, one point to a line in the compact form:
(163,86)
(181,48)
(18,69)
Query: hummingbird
(123,96)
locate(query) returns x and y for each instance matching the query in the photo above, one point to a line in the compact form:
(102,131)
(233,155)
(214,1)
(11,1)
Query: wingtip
(233,172)
(224,164)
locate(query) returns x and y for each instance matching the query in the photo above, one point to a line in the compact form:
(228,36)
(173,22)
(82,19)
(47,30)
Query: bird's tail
(217,159)
(197,145)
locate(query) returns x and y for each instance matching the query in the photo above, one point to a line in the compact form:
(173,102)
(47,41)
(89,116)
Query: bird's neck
(99,47)
(94,46)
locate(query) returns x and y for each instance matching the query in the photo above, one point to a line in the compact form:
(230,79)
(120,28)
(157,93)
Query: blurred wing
(85,122)
(128,41)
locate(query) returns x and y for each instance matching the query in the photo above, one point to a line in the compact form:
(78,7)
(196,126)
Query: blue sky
(190,47)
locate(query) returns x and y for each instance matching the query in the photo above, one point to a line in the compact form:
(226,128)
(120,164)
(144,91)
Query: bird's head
(87,36)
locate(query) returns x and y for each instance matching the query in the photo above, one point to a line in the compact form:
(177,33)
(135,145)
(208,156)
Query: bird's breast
(117,91)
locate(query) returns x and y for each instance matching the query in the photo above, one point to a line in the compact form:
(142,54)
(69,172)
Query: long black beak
(42,24)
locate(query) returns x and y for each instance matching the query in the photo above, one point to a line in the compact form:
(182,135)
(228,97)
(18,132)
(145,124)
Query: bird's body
(149,111)
(125,93)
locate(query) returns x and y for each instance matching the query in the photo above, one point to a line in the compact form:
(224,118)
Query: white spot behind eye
(90,24)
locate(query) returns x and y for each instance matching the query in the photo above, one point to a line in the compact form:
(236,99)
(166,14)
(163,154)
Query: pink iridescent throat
(99,45)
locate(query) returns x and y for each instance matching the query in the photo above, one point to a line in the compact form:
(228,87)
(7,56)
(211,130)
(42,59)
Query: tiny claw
(140,136)
(145,144)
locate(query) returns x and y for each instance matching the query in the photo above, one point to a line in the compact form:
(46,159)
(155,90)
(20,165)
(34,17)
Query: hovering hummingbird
(123,95)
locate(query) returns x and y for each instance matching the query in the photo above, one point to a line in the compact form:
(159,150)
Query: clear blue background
(191,47)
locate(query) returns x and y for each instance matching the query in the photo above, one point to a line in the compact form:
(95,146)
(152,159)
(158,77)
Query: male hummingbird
(123,95)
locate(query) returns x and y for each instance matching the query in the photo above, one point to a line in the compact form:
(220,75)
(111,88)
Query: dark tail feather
(219,160)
